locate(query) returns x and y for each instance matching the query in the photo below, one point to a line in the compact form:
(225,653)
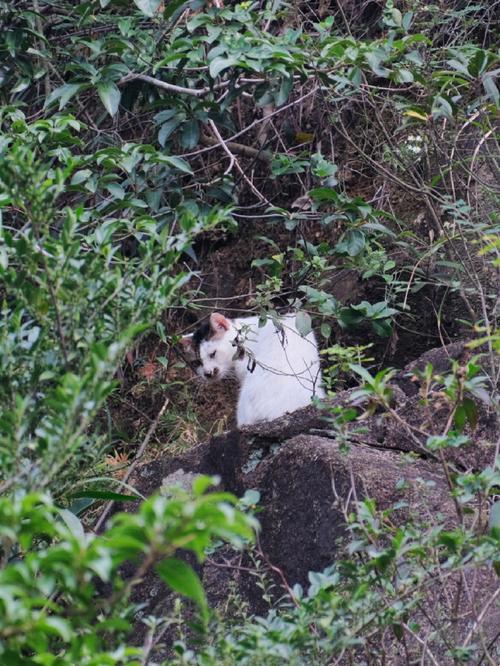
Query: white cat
(277,368)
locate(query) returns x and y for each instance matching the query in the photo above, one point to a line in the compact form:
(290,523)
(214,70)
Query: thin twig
(252,125)
(132,467)
(172,87)
(481,615)
(234,162)
(423,644)
(285,584)
(39,27)
(239,149)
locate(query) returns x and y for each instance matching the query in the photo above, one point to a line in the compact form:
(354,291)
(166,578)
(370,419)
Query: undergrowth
(351,145)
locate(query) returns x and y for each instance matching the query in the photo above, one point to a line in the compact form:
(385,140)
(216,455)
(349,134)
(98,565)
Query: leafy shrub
(53,571)
(119,145)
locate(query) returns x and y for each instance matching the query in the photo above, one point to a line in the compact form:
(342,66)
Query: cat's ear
(186,343)
(218,325)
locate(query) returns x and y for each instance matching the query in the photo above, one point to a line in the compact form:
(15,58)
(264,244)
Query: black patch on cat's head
(202,333)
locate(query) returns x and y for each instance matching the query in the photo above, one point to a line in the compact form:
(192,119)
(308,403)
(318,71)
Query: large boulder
(308,481)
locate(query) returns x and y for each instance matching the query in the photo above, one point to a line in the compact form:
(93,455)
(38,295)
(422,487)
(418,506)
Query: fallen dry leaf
(148,370)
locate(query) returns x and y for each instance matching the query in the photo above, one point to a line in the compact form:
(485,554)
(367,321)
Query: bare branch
(239,149)
(172,87)
(234,162)
(252,125)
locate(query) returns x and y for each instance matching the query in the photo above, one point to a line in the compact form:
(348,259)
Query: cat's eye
(212,355)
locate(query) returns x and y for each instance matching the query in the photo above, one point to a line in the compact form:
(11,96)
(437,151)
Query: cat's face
(212,348)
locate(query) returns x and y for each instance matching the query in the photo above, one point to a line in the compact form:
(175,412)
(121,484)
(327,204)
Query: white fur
(278,370)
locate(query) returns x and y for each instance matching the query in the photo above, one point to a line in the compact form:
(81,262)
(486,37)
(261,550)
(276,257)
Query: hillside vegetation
(159,160)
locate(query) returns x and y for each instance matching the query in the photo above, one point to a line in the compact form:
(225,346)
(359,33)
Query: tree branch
(171,87)
(251,126)
(234,162)
(239,149)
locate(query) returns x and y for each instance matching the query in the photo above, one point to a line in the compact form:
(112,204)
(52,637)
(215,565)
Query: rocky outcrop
(308,479)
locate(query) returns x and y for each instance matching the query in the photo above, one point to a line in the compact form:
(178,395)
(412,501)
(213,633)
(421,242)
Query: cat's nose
(211,373)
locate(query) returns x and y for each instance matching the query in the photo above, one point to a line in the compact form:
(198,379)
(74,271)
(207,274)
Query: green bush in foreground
(52,606)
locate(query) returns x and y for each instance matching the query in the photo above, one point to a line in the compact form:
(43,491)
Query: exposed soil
(227,283)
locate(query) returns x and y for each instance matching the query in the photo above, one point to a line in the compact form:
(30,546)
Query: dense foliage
(348,138)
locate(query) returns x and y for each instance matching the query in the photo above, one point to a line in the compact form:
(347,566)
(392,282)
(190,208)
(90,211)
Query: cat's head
(211,347)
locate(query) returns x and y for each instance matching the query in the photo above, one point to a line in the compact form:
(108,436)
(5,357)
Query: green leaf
(148,7)
(284,91)
(58,626)
(181,578)
(22,85)
(190,134)
(362,372)
(377,226)
(494,521)
(250,499)
(491,88)
(397,16)
(171,7)
(4,258)
(351,243)
(407,19)
(323,194)
(73,523)
(349,317)
(324,169)
(459,418)
(459,66)
(375,59)
(176,162)
(303,323)
(202,483)
(482,394)
(80,505)
(218,65)
(478,62)
(403,76)
(470,411)
(382,327)
(63,94)
(104,494)
(110,96)
(163,116)
(166,130)
(80,176)
(326,330)
(116,191)
(441,108)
